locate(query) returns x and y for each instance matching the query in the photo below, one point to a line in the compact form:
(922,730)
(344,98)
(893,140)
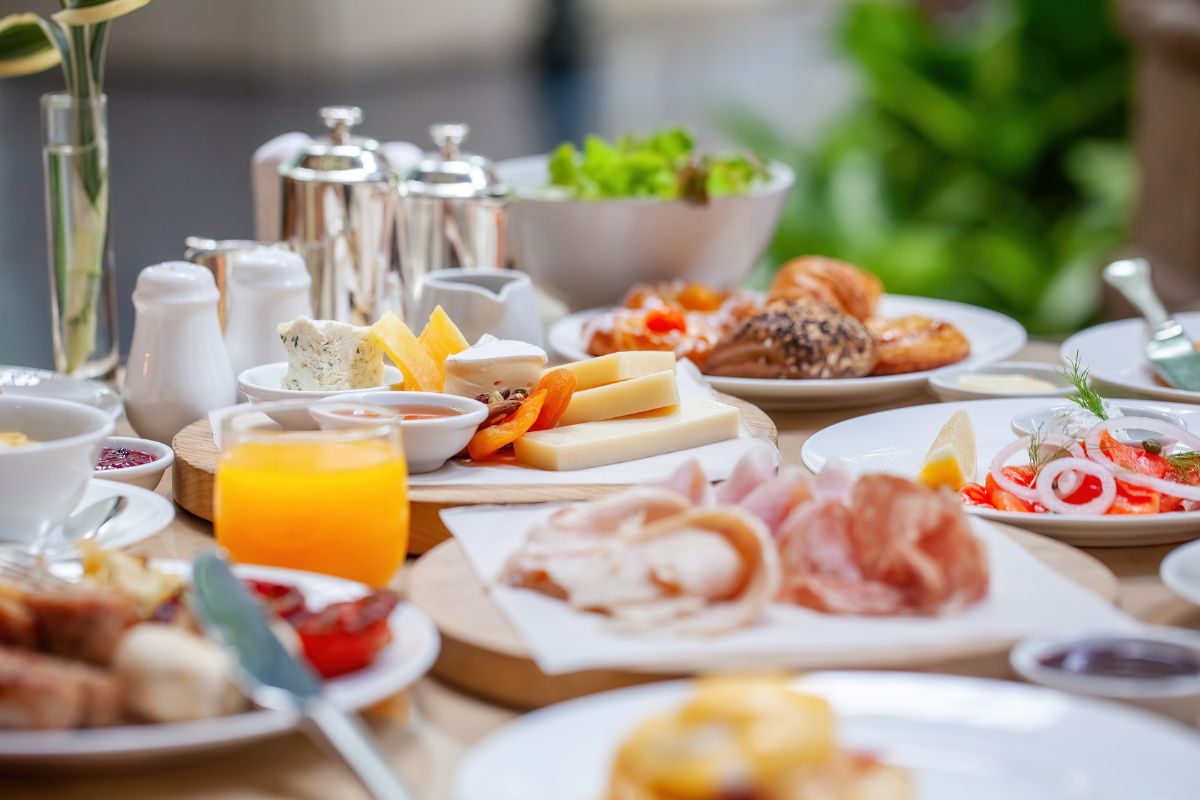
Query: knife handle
(346,733)
(1131,277)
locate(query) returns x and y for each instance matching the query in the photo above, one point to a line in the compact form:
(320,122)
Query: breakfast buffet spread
(314,417)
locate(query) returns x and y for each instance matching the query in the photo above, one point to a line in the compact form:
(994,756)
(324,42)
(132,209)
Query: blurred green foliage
(986,161)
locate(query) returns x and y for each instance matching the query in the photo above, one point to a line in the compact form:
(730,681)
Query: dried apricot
(559,385)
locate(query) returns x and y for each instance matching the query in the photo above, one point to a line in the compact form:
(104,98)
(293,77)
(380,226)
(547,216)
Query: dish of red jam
(122,457)
(1126,658)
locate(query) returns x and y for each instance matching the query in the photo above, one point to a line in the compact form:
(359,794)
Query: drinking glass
(329,501)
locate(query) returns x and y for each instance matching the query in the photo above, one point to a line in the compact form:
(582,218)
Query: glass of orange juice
(330,501)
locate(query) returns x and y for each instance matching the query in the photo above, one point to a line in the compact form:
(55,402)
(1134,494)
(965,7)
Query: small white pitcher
(499,302)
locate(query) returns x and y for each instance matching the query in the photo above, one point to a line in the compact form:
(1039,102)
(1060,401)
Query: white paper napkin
(1026,597)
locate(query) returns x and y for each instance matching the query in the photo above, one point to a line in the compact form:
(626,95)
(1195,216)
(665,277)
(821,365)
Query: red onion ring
(1096,506)
(1028,493)
(1170,488)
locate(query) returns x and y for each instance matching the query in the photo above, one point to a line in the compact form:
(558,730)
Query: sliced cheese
(616,367)
(613,400)
(692,423)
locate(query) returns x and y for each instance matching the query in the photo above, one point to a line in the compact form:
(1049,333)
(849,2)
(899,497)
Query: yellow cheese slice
(616,367)
(692,423)
(646,393)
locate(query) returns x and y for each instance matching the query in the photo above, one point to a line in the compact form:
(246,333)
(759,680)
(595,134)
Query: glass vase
(82,276)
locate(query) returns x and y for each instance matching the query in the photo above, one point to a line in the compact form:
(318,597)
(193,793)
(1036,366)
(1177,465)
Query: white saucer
(1114,354)
(147,513)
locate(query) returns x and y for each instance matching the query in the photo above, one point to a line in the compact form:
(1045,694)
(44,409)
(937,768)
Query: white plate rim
(1171,572)
(160,510)
(475,771)
(562,338)
(1108,530)
(1115,328)
(155,740)
(110,402)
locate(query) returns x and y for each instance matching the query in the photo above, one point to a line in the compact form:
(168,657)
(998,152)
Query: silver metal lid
(449,173)
(340,157)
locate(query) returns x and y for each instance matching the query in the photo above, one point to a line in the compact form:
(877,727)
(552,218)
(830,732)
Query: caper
(1152,446)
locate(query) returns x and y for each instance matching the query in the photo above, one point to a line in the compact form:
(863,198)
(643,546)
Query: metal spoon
(88,523)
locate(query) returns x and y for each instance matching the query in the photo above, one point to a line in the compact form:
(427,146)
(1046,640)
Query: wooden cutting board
(482,655)
(196,457)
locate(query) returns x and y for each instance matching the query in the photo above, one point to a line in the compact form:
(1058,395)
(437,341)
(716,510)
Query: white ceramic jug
(499,302)
(267,286)
(178,369)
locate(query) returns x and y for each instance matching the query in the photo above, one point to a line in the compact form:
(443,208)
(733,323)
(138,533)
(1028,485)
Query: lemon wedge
(950,462)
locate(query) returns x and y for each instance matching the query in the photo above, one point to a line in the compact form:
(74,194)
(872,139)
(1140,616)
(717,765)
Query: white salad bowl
(264,384)
(428,443)
(42,482)
(148,475)
(588,253)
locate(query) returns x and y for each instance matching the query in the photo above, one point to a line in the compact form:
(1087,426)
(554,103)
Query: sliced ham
(689,482)
(753,469)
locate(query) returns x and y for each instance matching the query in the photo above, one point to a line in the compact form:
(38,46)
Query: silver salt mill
(339,213)
(452,212)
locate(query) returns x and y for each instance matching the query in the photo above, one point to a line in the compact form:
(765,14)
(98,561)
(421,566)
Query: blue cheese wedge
(324,355)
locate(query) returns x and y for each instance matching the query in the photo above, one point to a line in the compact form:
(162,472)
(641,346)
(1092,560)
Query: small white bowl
(147,475)
(1174,696)
(1025,423)
(944,383)
(428,443)
(41,483)
(264,384)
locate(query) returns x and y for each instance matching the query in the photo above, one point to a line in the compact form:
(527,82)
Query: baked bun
(827,280)
(795,340)
(915,344)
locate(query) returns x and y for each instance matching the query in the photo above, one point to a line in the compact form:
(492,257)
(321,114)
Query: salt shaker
(268,286)
(178,369)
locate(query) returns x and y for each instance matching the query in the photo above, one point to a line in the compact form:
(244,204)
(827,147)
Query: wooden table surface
(427,729)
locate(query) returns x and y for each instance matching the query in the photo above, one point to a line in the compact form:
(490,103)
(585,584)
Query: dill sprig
(1085,396)
(1035,447)
(1184,460)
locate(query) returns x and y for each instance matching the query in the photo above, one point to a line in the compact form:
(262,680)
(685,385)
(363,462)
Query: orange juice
(322,501)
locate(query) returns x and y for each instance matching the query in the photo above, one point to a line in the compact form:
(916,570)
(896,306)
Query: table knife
(273,678)
(1170,352)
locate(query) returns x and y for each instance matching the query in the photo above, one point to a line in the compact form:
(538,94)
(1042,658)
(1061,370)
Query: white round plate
(993,337)
(411,653)
(1180,571)
(896,441)
(958,737)
(1114,353)
(30,382)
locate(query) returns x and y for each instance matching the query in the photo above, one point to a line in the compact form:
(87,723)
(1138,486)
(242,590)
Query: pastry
(915,344)
(795,340)
(834,283)
(748,737)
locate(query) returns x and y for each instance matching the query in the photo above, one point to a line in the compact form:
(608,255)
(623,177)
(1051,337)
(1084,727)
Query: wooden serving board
(482,655)
(196,457)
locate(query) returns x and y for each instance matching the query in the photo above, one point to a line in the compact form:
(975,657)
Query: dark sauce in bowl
(121,457)
(1126,658)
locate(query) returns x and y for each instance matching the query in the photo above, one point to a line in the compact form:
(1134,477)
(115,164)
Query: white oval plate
(411,653)
(1180,571)
(1114,353)
(993,337)
(147,513)
(31,382)
(959,737)
(896,441)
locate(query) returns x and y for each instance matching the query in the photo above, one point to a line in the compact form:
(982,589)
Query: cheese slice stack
(692,423)
(616,367)
(656,390)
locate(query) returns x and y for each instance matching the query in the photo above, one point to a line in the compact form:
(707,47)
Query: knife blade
(1171,353)
(273,678)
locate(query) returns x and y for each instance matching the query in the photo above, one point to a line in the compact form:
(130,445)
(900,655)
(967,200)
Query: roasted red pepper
(343,637)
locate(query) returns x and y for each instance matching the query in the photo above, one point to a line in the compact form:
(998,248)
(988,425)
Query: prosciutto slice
(703,571)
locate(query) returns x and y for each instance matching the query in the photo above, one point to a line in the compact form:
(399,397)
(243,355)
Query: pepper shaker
(268,285)
(178,368)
